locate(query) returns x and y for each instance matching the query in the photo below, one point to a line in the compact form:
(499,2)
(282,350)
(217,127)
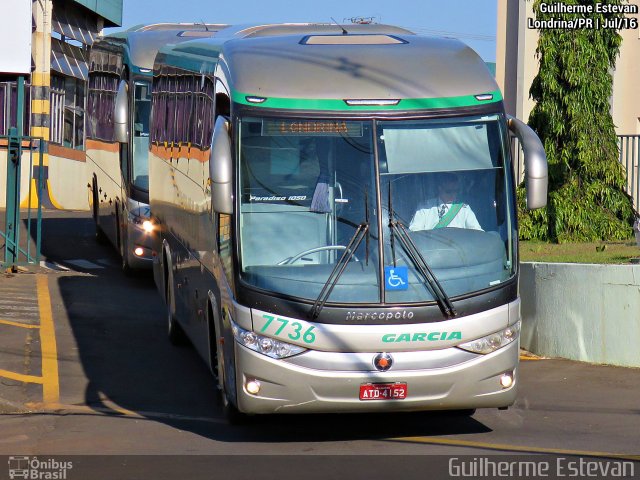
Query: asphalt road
(111,384)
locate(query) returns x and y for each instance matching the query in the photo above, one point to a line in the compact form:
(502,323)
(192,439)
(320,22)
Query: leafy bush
(587,198)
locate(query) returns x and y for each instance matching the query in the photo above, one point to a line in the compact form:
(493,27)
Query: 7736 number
(307,336)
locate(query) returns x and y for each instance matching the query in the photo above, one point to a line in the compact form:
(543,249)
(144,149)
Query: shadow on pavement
(118,326)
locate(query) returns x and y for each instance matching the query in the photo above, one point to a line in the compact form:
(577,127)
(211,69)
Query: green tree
(587,199)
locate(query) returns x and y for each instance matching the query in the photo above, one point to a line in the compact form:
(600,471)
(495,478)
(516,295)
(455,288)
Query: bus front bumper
(288,388)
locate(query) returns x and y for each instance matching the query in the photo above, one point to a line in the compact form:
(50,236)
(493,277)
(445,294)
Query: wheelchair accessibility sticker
(396,278)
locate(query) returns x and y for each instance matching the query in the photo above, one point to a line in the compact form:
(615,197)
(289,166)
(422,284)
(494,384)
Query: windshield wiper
(339,269)
(397,228)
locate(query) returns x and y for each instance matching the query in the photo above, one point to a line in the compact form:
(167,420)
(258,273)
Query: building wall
(517,65)
(63,172)
(625,105)
(59,28)
(24,178)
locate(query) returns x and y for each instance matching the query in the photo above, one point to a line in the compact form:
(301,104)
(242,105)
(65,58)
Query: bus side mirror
(535,163)
(121,114)
(221,168)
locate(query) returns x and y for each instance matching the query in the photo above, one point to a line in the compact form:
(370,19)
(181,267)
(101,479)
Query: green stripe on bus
(337,104)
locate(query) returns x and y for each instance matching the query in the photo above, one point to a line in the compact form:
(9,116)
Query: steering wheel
(290,260)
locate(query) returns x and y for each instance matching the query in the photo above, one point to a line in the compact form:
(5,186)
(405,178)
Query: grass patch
(596,252)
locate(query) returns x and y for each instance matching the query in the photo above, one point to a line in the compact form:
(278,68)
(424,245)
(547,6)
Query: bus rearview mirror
(121,114)
(535,163)
(221,168)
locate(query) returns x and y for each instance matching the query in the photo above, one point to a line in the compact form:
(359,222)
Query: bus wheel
(101,238)
(124,252)
(232,415)
(175,332)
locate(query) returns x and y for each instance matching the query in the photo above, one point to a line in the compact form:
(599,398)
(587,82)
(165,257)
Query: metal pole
(12,225)
(29,192)
(20,107)
(40,188)
(10,251)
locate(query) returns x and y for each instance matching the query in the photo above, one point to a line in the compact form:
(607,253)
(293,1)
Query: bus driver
(444,211)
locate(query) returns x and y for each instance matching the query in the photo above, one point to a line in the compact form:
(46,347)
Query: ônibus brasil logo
(33,468)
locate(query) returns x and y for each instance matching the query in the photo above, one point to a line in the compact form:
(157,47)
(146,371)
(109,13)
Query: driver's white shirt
(426,218)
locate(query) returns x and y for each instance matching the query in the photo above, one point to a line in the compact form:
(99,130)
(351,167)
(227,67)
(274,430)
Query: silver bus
(340,234)
(117,144)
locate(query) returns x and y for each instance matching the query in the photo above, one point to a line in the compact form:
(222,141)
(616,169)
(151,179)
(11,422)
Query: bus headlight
(143,222)
(493,342)
(147,226)
(265,345)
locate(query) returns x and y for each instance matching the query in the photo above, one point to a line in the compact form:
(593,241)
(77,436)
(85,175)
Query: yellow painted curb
(49,349)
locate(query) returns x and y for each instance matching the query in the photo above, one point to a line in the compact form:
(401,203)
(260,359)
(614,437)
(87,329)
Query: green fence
(21,217)
(629,146)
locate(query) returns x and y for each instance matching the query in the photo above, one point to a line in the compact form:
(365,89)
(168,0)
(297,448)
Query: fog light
(253,387)
(147,226)
(506,380)
(139,251)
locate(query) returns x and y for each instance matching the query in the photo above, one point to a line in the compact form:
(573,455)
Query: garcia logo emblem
(383,361)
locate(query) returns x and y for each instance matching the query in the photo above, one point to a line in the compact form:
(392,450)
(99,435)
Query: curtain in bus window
(192,115)
(191,118)
(197,119)
(159,110)
(171,111)
(434,148)
(179,124)
(100,105)
(208,113)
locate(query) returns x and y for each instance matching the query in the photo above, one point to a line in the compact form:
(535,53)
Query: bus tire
(124,252)
(175,333)
(101,238)
(230,412)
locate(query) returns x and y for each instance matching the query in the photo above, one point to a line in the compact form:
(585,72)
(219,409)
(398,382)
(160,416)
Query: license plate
(383,391)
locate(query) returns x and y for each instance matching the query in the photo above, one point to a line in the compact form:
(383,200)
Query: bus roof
(289,64)
(142,42)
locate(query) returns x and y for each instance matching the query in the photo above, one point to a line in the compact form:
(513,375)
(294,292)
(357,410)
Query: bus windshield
(142,111)
(445,185)
(307,186)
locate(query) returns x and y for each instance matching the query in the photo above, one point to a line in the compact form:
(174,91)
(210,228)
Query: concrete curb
(583,312)
(8,407)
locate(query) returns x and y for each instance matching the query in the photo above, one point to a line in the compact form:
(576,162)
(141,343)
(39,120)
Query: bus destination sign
(311,127)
